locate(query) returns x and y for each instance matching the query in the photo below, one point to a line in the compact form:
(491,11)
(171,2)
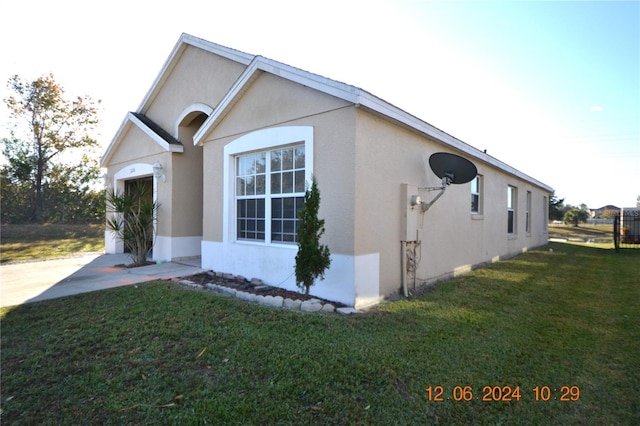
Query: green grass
(598,236)
(135,355)
(49,241)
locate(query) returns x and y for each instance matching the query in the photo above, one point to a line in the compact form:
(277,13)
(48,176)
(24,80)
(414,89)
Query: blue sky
(551,88)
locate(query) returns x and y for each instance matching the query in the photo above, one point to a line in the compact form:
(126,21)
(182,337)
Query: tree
(133,216)
(638,202)
(609,214)
(313,258)
(556,208)
(50,126)
(576,215)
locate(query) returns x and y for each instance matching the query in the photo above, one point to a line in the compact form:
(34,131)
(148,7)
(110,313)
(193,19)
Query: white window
(270,188)
(527,218)
(476,200)
(265,172)
(511,209)
(545,214)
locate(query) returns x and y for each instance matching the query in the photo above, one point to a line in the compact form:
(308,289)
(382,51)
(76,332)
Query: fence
(626,229)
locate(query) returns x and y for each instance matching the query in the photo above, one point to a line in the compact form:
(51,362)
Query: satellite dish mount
(452,169)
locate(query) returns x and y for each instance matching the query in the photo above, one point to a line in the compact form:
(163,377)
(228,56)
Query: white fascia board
(229,99)
(326,85)
(384,108)
(114,143)
(351,94)
(261,64)
(179,48)
(225,52)
(154,136)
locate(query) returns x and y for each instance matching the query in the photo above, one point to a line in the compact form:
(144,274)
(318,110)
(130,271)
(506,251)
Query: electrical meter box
(411,226)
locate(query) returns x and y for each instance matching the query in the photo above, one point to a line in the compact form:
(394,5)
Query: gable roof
(184,41)
(157,131)
(359,97)
(150,128)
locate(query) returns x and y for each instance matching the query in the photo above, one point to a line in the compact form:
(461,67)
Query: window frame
(527,217)
(268,140)
(290,186)
(545,214)
(512,208)
(479,179)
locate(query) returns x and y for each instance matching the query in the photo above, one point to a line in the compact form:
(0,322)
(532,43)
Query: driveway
(50,279)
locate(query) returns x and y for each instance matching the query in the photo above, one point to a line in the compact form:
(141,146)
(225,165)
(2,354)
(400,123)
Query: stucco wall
(272,103)
(124,166)
(361,161)
(198,77)
(452,238)
(294,105)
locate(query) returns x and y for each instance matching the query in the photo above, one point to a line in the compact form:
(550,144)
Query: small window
(528,214)
(545,214)
(511,209)
(476,189)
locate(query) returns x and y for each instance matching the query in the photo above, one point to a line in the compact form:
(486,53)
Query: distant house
(605,211)
(230,140)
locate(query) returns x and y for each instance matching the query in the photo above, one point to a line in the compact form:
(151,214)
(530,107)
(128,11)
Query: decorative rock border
(312,305)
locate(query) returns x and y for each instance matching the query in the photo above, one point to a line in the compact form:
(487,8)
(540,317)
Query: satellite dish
(452,168)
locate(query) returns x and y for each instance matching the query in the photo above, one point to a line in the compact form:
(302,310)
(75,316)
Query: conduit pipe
(403,268)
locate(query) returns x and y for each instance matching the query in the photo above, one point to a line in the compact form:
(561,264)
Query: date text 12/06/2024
(504,393)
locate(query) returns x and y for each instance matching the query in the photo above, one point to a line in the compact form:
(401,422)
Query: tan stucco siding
(274,102)
(181,191)
(361,160)
(452,239)
(186,185)
(135,147)
(213,190)
(198,77)
(387,156)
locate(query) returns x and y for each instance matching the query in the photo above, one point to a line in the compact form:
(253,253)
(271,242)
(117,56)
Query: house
(608,210)
(230,140)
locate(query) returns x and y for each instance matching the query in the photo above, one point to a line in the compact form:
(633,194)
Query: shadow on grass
(561,318)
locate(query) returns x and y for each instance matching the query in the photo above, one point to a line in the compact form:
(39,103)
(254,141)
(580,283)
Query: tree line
(50,169)
(574,215)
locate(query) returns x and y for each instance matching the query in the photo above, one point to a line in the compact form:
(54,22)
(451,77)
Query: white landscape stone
(243,295)
(310,306)
(347,311)
(290,304)
(275,301)
(214,287)
(328,308)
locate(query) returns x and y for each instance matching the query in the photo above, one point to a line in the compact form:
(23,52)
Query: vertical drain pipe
(403,269)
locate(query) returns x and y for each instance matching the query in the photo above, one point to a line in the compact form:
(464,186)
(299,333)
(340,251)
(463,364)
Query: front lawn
(49,241)
(160,353)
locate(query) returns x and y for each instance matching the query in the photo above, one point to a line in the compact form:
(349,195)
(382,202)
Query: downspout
(403,268)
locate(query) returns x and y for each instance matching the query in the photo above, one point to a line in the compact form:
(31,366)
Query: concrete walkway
(50,279)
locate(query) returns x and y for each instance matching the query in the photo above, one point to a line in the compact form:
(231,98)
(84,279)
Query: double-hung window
(511,209)
(270,188)
(527,218)
(475,195)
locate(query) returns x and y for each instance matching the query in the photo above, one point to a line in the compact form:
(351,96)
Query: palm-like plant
(132,218)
